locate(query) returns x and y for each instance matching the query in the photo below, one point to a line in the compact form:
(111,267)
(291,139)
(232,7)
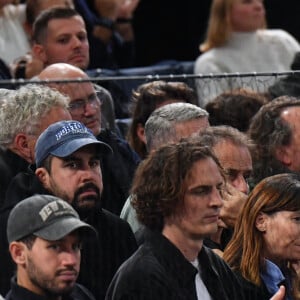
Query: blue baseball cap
(63,138)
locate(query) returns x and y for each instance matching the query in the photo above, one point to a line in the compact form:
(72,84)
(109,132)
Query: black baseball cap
(44,216)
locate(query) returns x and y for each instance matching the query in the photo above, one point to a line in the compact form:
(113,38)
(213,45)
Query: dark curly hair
(268,132)
(159,184)
(149,96)
(235,108)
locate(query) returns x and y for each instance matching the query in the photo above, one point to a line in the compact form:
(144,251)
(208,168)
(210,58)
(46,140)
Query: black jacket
(158,270)
(117,172)
(19,293)
(10,165)
(101,256)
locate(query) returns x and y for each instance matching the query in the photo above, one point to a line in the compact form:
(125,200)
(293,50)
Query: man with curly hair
(177,196)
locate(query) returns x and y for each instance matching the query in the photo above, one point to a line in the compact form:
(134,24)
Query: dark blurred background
(173,29)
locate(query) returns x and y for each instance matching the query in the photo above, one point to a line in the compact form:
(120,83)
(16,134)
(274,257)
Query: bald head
(84,106)
(61,71)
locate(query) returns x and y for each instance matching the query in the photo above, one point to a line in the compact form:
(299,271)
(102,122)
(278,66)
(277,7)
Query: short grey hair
(24,109)
(160,126)
(214,135)
(4,95)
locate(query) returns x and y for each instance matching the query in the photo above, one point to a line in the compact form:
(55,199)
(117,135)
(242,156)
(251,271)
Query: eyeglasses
(78,107)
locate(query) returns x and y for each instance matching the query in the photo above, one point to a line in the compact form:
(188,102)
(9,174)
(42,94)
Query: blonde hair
(219,25)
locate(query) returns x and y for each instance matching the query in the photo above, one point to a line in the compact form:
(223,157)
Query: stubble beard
(46,284)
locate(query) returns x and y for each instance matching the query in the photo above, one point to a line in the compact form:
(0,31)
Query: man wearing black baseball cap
(44,235)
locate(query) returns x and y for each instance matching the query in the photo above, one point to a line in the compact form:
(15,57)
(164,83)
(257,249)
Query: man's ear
(18,252)
(140,132)
(261,222)
(28,28)
(43,176)
(283,154)
(39,52)
(22,148)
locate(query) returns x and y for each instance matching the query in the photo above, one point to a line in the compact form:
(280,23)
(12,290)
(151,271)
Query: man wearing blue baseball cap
(68,158)
(45,236)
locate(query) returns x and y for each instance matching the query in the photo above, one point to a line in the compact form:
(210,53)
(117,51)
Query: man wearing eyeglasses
(85,107)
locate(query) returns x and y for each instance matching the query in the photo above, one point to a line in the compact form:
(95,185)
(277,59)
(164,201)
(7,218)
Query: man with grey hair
(172,122)
(232,149)
(24,115)
(4,181)
(167,124)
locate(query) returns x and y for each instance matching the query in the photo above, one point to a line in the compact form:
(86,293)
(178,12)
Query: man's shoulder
(23,185)
(143,262)
(81,293)
(142,276)
(207,254)
(119,146)
(114,220)
(12,161)
(114,231)
(213,263)
(111,226)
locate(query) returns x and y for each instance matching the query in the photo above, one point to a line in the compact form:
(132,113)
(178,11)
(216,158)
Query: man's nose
(76,42)
(216,198)
(70,258)
(241,184)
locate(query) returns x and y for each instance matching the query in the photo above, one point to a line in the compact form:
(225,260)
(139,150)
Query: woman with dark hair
(148,97)
(265,246)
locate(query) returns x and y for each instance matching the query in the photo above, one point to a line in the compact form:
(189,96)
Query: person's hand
(34,67)
(27,66)
(127,8)
(296,266)
(113,9)
(118,11)
(280,294)
(233,203)
(218,252)
(108,8)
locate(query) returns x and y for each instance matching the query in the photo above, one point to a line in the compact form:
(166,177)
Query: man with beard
(45,245)
(85,106)
(68,165)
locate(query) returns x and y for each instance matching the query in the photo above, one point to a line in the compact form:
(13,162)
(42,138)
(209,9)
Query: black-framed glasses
(77,107)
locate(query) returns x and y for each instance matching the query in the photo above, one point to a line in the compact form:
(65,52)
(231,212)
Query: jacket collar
(174,261)
(19,292)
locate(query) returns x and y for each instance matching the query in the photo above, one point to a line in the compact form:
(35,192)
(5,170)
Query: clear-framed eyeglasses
(78,106)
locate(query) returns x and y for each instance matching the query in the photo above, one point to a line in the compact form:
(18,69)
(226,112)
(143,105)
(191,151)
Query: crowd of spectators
(165,189)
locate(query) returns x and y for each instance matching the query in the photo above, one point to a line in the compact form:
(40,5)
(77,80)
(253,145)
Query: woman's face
(281,234)
(247,15)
